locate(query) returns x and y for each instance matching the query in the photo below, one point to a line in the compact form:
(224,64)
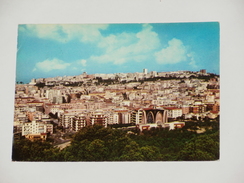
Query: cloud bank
(65,33)
(127,47)
(117,49)
(49,65)
(175,52)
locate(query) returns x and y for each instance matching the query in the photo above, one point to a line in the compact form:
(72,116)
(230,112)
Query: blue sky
(71,49)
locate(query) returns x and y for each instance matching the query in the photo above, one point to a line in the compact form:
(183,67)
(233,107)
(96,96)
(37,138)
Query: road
(63,145)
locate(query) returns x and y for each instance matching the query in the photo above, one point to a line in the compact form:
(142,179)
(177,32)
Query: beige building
(174,112)
(36,128)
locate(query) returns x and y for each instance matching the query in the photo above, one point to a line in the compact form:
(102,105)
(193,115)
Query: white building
(35,127)
(136,116)
(174,112)
(145,71)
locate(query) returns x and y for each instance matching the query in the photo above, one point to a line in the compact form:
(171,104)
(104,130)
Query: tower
(145,71)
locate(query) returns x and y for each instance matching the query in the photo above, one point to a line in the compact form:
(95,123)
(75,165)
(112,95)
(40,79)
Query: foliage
(96,143)
(26,150)
(205,147)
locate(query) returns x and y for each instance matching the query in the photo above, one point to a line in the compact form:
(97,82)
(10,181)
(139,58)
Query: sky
(50,50)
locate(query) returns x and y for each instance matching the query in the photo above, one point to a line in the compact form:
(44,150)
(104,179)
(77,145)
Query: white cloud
(82,62)
(114,42)
(116,48)
(126,47)
(49,65)
(148,40)
(67,32)
(192,62)
(175,52)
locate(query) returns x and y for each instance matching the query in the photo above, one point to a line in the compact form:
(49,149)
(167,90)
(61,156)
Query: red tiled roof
(121,110)
(147,109)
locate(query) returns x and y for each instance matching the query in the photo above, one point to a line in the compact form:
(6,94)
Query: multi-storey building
(174,112)
(120,103)
(100,118)
(185,109)
(36,129)
(136,116)
(66,120)
(79,122)
(121,116)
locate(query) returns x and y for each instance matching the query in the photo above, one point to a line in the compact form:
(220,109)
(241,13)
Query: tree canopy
(97,143)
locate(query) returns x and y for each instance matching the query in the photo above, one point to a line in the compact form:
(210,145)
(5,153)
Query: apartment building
(36,128)
(174,112)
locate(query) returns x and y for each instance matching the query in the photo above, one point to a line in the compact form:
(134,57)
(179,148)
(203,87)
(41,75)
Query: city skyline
(71,49)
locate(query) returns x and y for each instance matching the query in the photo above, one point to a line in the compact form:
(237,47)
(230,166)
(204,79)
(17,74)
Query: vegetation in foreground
(96,143)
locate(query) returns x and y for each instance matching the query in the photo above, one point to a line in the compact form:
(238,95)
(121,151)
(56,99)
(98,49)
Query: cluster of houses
(137,99)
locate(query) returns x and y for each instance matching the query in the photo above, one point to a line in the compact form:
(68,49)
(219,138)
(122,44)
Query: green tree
(26,150)
(131,152)
(204,147)
(97,151)
(150,153)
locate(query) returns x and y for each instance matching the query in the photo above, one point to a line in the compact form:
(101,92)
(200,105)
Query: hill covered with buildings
(55,107)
